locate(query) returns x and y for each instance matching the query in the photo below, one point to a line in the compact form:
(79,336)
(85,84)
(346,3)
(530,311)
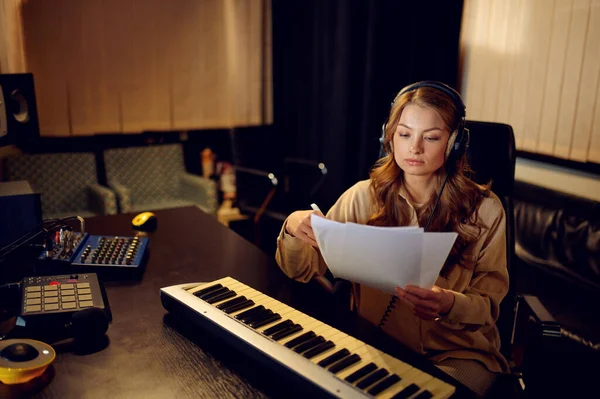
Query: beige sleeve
(301,261)
(478,307)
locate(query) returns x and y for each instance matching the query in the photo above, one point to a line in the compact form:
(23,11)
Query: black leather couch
(557,273)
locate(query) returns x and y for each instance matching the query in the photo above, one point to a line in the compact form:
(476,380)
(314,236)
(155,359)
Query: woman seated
(422,181)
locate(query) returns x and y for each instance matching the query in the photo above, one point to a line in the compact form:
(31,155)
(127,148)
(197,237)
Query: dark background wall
(338,64)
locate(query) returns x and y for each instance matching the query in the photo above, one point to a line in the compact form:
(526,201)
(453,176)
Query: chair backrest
(61,178)
(491,154)
(150,172)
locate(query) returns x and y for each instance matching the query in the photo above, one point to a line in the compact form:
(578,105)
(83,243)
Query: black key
(311,343)
(298,340)
(383,384)
(239,306)
(208,289)
(344,363)
(407,392)
(278,327)
(257,316)
(360,373)
(286,332)
(318,349)
(342,353)
(214,293)
(424,395)
(372,378)
(264,322)
(248,312)
(232,302)
(221,297)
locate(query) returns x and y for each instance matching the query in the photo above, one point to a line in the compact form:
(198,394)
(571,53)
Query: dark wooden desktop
(152,355)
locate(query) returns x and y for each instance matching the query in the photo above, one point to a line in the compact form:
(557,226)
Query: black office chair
(491,154)
(270,185)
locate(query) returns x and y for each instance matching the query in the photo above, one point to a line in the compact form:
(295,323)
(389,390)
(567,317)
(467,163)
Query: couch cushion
(61,178)
(151,173)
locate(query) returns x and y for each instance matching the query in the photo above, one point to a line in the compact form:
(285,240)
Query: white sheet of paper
(331,239)
(435,250)
(382,257)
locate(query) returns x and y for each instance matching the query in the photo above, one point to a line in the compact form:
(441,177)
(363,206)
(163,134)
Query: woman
(452,323)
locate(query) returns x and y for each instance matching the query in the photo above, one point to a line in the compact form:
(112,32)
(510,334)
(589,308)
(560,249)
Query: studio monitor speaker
(18,110)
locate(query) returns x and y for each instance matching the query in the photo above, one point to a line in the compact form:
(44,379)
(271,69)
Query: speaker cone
(20,109)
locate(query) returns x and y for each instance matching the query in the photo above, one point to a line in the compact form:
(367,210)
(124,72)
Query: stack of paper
(382,257)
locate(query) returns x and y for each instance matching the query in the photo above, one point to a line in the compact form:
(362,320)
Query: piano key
(407,392)
(324,347)
(424,395)
(372,378)
(302,338)
(339,355)
(278,327)
(311,343)
(372,355)
(209,289)
(222,297)
(259,323)
(344,363)
(383,384)
(248,312)
(438,388)
(239,306)
(286,332)
(413,376)
(212,293)
(360,373)
(234,301)
(256,316)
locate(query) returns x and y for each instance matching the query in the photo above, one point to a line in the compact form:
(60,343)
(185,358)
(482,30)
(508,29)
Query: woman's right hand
(298,225)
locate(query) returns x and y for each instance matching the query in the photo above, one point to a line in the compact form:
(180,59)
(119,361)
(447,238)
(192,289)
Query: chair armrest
(262,178)
(307,175)
(102,200)
(199,190)
(307,162)
(258,172)
(123,195)
(549,326)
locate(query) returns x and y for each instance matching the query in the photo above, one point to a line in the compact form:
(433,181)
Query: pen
(315,207)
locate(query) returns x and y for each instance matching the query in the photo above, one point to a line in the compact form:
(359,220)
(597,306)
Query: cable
(36,231)
(392,304)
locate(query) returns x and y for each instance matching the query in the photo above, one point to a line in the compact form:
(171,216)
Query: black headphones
(461,138)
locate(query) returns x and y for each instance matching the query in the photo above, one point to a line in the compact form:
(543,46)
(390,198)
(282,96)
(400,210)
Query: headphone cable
(392,304)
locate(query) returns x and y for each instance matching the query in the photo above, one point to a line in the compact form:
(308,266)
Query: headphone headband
(453,94)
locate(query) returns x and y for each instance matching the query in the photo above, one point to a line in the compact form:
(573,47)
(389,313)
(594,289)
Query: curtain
(106,66)
(535,64)
(337,65)
(12,57)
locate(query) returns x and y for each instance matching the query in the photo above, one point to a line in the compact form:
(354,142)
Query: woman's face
(420,141)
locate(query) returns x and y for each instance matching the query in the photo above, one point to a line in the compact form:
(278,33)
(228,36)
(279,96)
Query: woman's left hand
(429,304)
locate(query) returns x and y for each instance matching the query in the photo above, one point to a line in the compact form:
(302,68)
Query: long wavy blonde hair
(461,197)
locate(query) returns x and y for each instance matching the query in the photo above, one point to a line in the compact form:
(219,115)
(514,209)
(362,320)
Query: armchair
(154,177)
(67,183)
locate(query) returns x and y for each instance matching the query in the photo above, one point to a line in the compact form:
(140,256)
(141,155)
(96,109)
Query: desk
(150,355)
